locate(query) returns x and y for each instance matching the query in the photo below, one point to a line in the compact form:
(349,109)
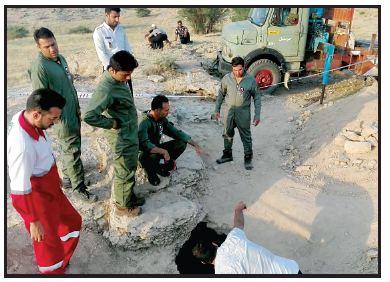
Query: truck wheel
(266,74)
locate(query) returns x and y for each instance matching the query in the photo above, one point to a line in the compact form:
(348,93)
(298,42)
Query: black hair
(157,102)
(44,99)
(179,21)
(42,32)
(238,61)
(108,10)
(205,251)
(123,61)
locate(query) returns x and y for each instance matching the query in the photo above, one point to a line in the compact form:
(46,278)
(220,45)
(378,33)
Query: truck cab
(272,41)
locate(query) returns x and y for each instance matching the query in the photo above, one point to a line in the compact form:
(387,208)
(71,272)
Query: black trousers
(151,162)
(158,40)
(185,40)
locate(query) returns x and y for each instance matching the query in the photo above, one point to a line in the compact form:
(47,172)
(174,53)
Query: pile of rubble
(357,143)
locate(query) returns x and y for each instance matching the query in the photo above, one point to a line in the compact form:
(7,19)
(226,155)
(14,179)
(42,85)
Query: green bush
(15,31)
(80,30)
(203,20)
(142,12)
(239,14)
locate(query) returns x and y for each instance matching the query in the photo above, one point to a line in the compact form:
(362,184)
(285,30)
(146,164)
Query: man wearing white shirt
(54,225)
(238,255)
(110,37)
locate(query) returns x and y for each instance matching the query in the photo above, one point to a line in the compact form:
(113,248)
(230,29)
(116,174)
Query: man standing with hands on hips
(237,90)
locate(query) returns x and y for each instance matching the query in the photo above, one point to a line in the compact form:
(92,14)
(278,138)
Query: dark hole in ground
(186,262)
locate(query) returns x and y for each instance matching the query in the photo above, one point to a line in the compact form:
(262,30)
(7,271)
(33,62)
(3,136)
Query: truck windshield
(258,16)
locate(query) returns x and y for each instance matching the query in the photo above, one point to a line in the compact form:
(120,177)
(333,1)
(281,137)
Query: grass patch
(163,66)
(15,31)
(142,12)
(79,30)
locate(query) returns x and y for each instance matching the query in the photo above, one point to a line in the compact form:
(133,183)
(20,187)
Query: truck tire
(266,73)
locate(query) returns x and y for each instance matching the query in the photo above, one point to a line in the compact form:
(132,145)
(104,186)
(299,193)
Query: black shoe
(66,184)
(248,162)
(136,201)
(82,193)
(226,157)
(153,179)
(163,172)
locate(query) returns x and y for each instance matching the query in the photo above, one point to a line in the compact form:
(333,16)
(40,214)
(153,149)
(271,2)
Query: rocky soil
(312,196)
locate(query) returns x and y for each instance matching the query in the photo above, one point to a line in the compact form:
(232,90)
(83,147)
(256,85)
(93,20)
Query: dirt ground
(307,199)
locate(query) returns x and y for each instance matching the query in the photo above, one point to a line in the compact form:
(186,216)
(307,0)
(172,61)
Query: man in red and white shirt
(54,225)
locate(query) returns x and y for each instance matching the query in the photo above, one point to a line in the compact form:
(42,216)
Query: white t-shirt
(238,255)
(27,156)
(157,31)
(108,42)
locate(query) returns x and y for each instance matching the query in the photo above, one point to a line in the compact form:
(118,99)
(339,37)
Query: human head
(122,65)
(238,64)
(205,251)
(153,26)
(44,107)
(112,16)
(46,43)
(160,106)
(179,23)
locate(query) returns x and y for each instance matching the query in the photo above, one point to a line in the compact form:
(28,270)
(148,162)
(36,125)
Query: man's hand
(217,116)
(256,122)
(240,206)
(166,155)
(238,220)
(115,124)
(36,231)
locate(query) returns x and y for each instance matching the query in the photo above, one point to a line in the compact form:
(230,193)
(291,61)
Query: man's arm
(99,102)
(220,98)
(198,149)
(256,94)
(238,220)
(20,171)
(38,76)
(101,48)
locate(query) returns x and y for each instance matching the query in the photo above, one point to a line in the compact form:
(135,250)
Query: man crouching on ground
(157,157)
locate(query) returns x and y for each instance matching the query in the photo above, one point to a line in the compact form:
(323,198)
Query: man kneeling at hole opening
(157,157)
(238,255)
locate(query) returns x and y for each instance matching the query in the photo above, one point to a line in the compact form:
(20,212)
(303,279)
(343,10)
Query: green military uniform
(46,73)
(238,100)
(150,132)
(112,100)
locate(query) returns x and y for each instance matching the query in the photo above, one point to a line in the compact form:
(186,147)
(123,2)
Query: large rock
(166,217)
(353,136)
(156,78)
(340,140)
(199,82)
(352,147)
(368,131)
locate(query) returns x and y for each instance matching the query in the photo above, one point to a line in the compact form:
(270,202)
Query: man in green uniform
(237,89)
(50,70)
(112,107)
(157,157)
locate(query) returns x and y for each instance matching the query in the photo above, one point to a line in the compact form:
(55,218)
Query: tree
(203,20)
(142,12)
(239,14)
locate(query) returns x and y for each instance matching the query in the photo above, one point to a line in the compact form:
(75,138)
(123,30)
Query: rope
(87,95)
(318,74)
